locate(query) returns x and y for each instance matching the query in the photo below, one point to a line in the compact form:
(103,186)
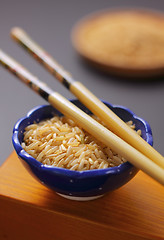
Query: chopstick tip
(15,31)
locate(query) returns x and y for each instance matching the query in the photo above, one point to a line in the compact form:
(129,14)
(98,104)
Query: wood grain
(28,210)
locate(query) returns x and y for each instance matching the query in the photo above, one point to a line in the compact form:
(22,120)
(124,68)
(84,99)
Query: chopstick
(85,121)
(114,123)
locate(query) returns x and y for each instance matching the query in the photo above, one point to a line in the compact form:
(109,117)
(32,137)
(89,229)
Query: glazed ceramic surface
(77,185)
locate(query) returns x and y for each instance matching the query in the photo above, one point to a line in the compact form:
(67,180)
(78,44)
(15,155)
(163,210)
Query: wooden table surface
(29,210)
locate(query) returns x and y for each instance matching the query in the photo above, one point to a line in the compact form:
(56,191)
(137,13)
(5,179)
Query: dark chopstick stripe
(59,73)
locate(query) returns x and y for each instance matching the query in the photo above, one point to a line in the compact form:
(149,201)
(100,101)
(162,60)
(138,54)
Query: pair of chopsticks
(121,138)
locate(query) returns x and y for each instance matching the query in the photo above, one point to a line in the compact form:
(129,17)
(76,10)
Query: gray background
(50,23)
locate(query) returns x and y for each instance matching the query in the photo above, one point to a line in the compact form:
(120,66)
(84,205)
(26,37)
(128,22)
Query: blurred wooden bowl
(127,43)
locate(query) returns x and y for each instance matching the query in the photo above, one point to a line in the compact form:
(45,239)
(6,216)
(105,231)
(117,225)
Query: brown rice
(61,143)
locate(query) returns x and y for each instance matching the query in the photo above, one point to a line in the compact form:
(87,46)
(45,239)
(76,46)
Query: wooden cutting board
(30,211)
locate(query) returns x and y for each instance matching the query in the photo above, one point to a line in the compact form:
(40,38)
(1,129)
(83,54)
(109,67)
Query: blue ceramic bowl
(85,185)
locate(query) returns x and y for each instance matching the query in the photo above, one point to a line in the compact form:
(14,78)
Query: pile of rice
(61,143)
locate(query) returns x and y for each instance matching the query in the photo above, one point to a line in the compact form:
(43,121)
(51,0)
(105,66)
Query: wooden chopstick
(114,123)
(85,121)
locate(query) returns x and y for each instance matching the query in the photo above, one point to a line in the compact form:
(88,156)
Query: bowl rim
(71,173)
